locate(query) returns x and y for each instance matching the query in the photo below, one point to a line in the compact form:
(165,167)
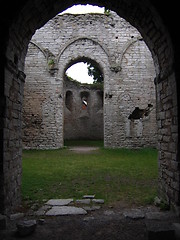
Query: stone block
(134,214)
(98,201)
(26,227)
(83,201)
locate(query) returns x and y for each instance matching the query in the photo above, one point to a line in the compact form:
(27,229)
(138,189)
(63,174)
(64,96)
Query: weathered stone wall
(128,79)
(83,121)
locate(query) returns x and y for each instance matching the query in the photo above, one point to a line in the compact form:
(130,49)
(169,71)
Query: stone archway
(21,26)
(83,108)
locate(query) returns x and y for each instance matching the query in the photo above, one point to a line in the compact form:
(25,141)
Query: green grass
(116,175)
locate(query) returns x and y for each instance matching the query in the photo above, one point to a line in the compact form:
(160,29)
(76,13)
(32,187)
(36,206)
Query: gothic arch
(73,41)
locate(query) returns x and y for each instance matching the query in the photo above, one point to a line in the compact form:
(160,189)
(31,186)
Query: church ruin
(53,106)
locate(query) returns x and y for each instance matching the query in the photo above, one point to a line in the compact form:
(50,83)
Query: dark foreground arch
(156,25)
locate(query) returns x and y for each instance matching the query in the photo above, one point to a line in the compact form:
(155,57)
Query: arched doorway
(24,21)
(83,109)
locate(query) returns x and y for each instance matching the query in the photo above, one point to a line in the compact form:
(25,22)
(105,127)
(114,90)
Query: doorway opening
(83,111)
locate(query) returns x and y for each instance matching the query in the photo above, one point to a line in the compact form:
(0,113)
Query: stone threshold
(61,207)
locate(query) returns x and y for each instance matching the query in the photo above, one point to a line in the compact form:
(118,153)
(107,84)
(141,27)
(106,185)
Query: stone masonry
(128,83)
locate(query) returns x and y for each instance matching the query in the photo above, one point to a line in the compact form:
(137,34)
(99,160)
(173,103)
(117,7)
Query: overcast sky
(81,9)
(79,71)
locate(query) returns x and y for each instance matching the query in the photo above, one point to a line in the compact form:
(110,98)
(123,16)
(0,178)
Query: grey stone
(2,222)
(99,201)
(89,218)
(26,227)
(89,196)
(65,210)
(16,216)
(59,202)
(108,212)
(91,208)
(42,210)
(159,215)
(134,214)
(83,201)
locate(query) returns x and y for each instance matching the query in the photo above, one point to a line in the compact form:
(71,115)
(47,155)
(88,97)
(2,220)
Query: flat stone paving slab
(65,210)
(89,196)
(59,202)
(83,149)
(98,201)
(83,201)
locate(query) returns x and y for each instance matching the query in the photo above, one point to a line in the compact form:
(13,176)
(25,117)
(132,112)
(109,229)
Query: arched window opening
(85,73)
(69,100)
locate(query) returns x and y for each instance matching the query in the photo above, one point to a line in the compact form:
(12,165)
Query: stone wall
(128,80)
(83,112)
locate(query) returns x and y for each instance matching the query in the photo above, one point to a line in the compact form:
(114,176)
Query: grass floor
(116,175)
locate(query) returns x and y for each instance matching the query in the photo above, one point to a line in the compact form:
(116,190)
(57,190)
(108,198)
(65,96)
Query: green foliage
(95,73)
(116,175)
(51,62)
(106,11)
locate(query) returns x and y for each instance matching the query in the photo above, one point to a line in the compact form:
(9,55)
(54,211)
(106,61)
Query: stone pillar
(12,147)
(167,121)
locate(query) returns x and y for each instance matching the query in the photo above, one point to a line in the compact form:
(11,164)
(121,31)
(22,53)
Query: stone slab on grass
(98,201)
(83,201)
(59,202)
(88,196)
(65,210)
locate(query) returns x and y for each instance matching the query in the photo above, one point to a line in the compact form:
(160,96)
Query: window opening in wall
(79,72)
(85,73)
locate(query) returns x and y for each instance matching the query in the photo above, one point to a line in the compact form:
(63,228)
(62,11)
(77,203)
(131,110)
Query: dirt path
(83,149)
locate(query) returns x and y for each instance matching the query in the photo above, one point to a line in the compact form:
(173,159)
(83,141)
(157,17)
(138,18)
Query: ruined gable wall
(128,71)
